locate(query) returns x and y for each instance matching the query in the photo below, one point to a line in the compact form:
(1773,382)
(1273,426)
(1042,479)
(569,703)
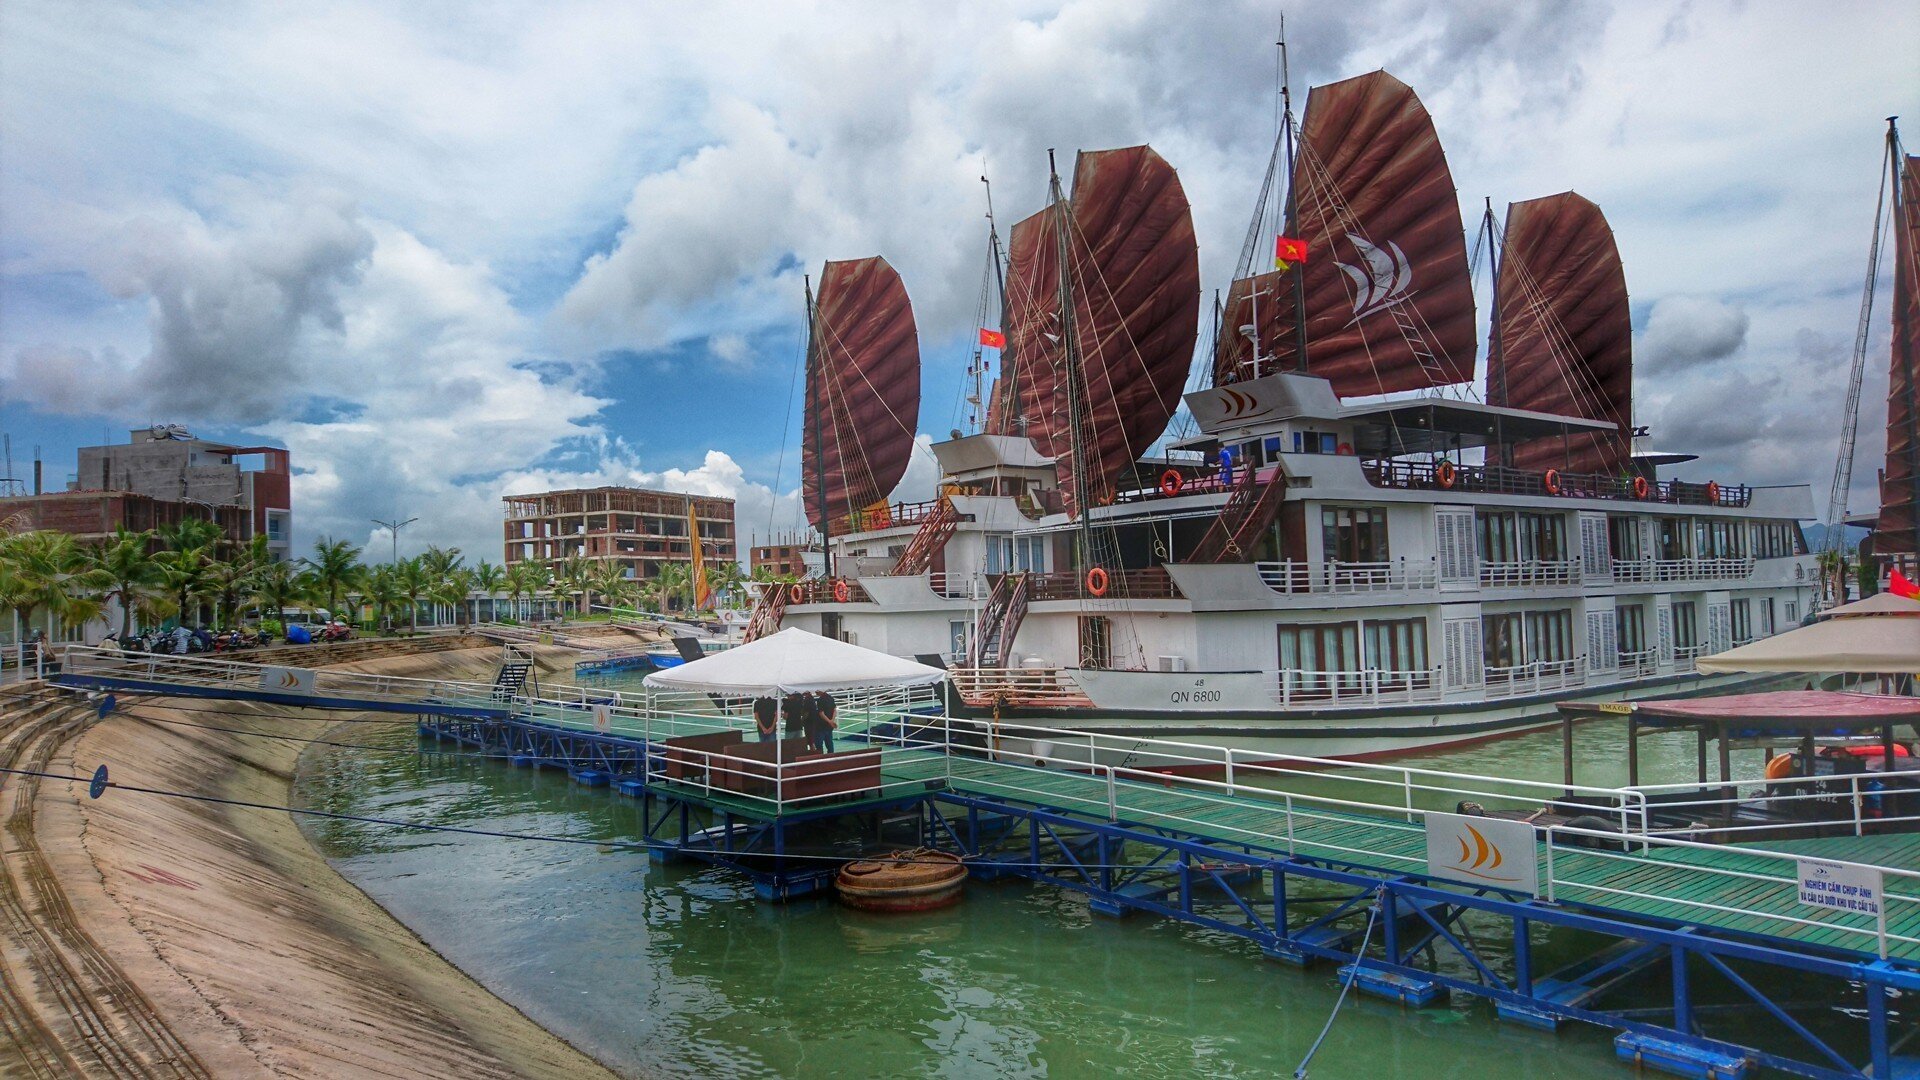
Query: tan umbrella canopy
(1885,603)
(1876,645)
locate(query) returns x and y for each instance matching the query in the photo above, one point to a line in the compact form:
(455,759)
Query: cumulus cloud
(1687,331)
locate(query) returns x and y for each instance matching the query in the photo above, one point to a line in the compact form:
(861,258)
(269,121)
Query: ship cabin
(1362,552)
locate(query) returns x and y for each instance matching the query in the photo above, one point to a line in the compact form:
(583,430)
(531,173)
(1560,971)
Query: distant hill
(1817,536)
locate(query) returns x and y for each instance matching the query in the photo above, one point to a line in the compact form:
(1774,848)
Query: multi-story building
(166,464)
(637,529)
(96,515)
(786,555)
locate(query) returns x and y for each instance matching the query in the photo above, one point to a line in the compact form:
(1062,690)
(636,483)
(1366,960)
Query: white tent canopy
(793,661)
(1884,603)
(1866,645)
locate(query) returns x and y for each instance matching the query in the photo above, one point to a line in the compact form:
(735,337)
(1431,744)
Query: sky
(448,251)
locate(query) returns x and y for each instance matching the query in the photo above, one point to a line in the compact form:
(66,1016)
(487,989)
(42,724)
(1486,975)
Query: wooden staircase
(999,621)
(768,610)
(1249,511)
(934,532)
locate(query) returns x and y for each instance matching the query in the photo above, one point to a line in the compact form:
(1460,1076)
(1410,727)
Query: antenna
(10,484)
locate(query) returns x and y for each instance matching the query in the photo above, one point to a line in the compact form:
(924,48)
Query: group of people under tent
(812,716)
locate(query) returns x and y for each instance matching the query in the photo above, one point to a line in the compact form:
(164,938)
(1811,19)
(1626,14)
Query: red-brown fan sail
(863,390)
(1389,301)
(1135,284)
(1896,533)
(1565,332)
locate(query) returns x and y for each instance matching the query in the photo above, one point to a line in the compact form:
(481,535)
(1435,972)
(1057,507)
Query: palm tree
(415,582)
(440,563)
(572,580)
(452,591)
(610,581)
(127,571)
(525,579)
(336,567)
(488,578)
(279,586)
(189,533)
(383,593)
(724,578)
(672,580)
(187,574)
(233,579)
(52,574)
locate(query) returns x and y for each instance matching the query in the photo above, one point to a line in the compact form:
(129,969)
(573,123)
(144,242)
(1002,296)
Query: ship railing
(1631,571)
(883,516)
(1363,687)
(828,590)
(1149,583)
(1638,663)
(1535,677)
(1397,575)
(1529,573)
(1041,685)
(958,586)
(1502,480)
(1685,655)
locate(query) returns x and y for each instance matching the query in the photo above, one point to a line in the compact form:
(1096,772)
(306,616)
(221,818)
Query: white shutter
(1596,558)
(1766,616)
(1453,535)
(1663,617)
(1602,654)
(1461,642)
(1719,628)
(1451,634)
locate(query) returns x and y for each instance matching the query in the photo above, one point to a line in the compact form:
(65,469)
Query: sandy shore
(169,937)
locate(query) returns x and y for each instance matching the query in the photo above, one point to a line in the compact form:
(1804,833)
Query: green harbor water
(678,970)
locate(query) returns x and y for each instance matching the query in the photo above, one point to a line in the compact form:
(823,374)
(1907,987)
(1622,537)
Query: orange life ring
(1713,493)
(840,591)
(1171,482)
(1097,581)
(1551,481)
(1780,767)
(1443,474)
(796,593)
(1640,487)
(1344,448)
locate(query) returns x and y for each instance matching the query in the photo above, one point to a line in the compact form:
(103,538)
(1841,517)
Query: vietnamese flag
(993,339)
(1288,252)
(1899,585)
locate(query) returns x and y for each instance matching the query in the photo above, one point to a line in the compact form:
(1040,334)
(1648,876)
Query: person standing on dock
(766,719)
(798,709)
(820,721)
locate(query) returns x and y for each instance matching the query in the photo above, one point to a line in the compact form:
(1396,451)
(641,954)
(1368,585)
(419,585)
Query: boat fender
(840,591)
(1551,481)
(1171,482)
(1780,767)
(1640,487)
(1097,581)
(1443,474)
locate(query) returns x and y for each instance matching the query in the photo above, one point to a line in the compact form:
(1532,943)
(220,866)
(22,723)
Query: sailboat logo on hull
(1241,405)
(1385,278)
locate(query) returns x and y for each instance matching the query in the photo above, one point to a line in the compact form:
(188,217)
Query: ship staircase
(999,621)
(515,676)
(768,610)
(1249,512)
(934,532)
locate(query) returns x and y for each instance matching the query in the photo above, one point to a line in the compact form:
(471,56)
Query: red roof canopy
(1811,707)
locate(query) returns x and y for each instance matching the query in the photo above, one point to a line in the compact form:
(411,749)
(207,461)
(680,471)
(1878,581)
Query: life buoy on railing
(1551,481)
(840,591)
(1171,482)
(1640,487)
(1344,448)
(1443,474)
(797,593)
(1097,581)
(1713,493)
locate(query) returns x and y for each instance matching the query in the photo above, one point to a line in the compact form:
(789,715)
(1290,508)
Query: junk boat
(1344,548)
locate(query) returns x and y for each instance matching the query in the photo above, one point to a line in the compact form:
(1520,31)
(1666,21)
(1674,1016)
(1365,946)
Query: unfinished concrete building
(637,529)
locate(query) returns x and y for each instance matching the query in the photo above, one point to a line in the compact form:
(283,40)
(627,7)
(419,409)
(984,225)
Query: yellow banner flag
(702,595)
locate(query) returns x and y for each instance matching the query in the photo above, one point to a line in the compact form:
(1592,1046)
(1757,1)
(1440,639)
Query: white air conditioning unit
(849,637)
(1173,663)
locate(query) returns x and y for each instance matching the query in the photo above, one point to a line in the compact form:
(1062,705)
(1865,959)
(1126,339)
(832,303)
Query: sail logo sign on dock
(1483,851)
(1840,887)
(286,680)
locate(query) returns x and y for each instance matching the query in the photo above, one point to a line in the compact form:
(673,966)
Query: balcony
(1500,480)
(1401,575)
(1529,573)
(1535,677)
(1152,583)
(827,591)
(1633,665)
(1685,655)
(1372,687)
(1659,570)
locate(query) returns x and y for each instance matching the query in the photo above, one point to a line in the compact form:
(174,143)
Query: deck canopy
(1880,645)
(1394,429)
(1877,604)
(794,661)
(1782,711)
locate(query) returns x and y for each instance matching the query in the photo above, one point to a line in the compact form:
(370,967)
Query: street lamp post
(393,529)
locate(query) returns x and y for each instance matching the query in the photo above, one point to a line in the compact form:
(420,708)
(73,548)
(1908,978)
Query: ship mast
(1496,369)
(995,279)
(1298,271)
(1070,355)
(819,421)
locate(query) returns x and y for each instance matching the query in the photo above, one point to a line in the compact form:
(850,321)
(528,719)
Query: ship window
(1685,627)
(1630,628)
(1015,554)
(1623,539)
(1354,534)
(1398,646)
(1500,644)
(1096,641)
(1549,636)
(1741,613)
(1311,657)
(1793,611)
(1673,537)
